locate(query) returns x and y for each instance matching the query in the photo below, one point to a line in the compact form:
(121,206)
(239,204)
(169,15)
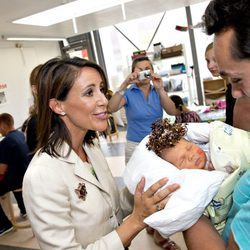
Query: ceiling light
(74,25)
(64,40)
(67,11)
(33,39)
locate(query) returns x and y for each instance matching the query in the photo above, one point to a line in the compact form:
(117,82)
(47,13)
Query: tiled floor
(23,239)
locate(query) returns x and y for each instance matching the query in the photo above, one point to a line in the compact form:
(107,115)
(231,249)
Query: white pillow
(185,205)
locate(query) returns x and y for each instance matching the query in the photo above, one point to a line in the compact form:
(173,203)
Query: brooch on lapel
(81,191)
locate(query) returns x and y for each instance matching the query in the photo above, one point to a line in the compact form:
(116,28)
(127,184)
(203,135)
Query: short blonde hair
(210,46)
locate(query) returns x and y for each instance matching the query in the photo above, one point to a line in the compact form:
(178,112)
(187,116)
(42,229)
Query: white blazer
(62,220)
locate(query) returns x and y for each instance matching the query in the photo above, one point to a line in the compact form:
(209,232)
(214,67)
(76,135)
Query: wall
(15,67)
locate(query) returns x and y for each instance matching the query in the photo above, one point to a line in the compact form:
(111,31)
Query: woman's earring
(63,113)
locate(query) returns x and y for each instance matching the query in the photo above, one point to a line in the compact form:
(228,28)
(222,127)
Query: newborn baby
(167,141)
(197,186)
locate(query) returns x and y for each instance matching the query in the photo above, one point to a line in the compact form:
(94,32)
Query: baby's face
(185,155)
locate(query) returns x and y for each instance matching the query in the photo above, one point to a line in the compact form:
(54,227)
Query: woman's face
(141,66)
(86,105)
(185,155)
(211,63)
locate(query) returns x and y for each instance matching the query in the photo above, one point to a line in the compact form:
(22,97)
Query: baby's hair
(165,135)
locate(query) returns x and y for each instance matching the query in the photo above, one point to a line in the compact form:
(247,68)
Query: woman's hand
(145,203)
(131,78)
(152,200)
(158,82)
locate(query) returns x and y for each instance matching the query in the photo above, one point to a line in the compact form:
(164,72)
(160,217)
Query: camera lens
(146,74)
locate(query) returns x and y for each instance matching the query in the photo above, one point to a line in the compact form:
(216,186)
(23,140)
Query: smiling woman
(69,184)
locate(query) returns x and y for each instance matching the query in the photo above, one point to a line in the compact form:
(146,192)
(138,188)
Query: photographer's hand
(117,101)
(131,78)
(167,104)
(158,82)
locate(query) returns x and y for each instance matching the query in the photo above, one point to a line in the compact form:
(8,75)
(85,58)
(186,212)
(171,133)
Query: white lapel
(83,172)
(101,168)
(79,168)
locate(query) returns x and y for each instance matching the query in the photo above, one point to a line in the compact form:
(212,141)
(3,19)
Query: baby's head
(167,141)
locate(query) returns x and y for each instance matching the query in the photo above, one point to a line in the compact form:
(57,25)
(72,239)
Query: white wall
(15,67)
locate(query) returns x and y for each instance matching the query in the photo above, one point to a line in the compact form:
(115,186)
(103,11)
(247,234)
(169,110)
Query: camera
(146,74)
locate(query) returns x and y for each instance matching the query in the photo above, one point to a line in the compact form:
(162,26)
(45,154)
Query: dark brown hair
(178,102)
(55,80)
(221,15)
(7,119)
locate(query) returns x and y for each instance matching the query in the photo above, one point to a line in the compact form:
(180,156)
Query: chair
(214,89)
(9,210)
(112,128)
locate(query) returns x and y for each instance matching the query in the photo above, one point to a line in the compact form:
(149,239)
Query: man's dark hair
(7,119)
(221,15)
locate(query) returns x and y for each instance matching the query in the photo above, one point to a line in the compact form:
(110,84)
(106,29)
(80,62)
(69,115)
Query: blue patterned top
(239,216)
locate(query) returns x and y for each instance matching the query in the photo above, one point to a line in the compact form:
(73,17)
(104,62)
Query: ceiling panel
(13,9)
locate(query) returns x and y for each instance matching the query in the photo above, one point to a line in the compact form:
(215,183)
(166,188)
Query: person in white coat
(70,195)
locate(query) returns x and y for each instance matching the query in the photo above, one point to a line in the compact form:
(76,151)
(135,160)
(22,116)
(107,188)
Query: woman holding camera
(142,100)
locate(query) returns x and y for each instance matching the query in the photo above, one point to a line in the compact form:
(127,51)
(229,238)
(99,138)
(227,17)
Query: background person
(144,102)
(212,65)
(69,192)
(185,114)
(30,128)
(229,21)
(214,70)
(14,160)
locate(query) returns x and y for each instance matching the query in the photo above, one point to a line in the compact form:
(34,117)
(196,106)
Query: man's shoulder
(13,138)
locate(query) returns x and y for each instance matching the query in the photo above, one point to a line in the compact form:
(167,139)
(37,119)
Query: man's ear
(56,106)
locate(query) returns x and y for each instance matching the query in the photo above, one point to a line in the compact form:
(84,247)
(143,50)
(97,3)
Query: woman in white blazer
(69,193)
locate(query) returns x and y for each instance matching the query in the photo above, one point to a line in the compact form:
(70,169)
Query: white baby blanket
(187,204)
